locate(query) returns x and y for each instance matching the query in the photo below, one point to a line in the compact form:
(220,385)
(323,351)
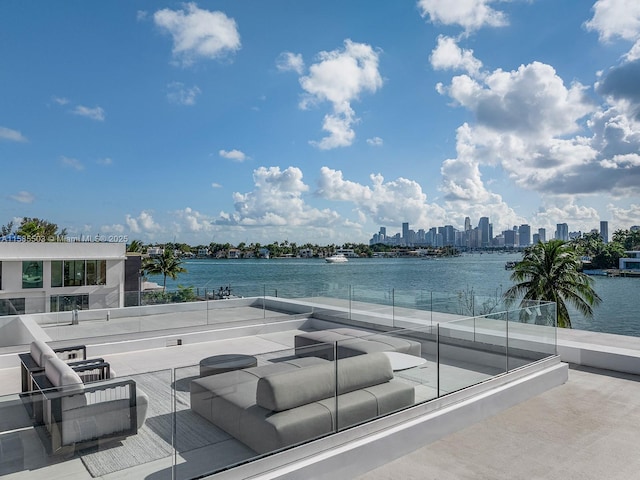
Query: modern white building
(631,261)
(347,252)
(37,277)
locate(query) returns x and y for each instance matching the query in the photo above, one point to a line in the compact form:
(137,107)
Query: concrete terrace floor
(587,428)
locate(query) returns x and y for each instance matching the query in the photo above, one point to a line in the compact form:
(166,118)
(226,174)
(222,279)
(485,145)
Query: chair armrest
(28,367)
(70,353)
(99,396)
(92,370)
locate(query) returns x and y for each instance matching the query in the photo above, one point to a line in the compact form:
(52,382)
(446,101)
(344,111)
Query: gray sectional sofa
(282,404)
(351,342)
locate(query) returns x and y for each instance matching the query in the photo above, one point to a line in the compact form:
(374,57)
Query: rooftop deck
(455,388)
(586,429)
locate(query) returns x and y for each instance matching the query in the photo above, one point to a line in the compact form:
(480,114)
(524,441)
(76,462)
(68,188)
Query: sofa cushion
(41,352)
(62,375)
(287,390)
(351,342)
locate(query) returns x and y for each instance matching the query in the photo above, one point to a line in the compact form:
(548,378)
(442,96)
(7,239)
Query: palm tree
(135,247)
(167,265)
(550,272)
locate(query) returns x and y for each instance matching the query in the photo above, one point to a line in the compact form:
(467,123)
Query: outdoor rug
(153,440)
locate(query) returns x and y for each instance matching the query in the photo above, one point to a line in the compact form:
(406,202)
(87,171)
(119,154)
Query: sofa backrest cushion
(40,352)
(286,390)
(62,375)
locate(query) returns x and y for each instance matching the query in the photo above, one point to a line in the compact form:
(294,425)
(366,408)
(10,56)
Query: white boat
(337,258)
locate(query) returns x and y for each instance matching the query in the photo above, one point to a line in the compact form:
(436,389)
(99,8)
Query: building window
(74,273)
(11,306)
(67,303)
(56,273)
(31,274)
(96,272)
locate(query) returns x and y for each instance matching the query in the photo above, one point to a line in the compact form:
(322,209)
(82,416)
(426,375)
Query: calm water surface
(379,279)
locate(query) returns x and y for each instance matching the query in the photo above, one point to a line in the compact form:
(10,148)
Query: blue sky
(262,121)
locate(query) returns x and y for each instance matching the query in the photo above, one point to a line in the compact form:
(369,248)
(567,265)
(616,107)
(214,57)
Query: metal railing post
(393,307)
(438,360)
(174,426)
(431,305)
(335,393)
(507,345)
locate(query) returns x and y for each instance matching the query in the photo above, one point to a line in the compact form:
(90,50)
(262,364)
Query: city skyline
(233,122)
(483,235)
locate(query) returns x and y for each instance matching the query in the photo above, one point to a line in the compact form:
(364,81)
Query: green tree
(609,256)
(7,229)
(549,272)
(36,227)
(167,265)
(629,239)
(135,247)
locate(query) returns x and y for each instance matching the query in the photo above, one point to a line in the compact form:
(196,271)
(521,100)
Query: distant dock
(614,272)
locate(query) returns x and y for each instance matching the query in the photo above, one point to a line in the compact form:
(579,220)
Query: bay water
(403,279)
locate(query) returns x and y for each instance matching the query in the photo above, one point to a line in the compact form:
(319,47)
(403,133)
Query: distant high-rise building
(562,232)
(383,231)
(525,235)
(542,235)
(448,235)
(483,227)
(405,231)
(604,231)
(536,238)
(509,238)
(467,224)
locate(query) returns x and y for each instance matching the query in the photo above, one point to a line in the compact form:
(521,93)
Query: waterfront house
(155,251)
(40,277)
(631,261)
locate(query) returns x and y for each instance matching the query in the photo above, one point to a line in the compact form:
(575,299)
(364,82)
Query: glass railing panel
(331,300)
(470,351)
(532,333)
(115,425)
(448,306)
(204,411)
(152,443)
(373,307)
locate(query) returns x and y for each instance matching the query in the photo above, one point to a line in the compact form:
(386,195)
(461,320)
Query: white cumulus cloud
(616,19)
(449,56)
(143,223)
(340,77)
(235,155)
(290,62)
(277,200)
(192,221)
(382,202)
(198,34)
(469,14)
